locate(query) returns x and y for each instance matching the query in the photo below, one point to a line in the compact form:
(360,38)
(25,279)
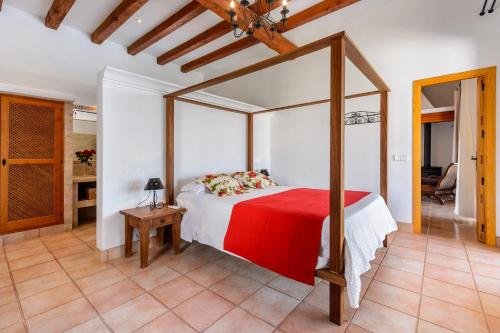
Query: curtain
(456,124)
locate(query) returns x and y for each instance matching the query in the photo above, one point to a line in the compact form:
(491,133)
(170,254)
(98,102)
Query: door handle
(4,162)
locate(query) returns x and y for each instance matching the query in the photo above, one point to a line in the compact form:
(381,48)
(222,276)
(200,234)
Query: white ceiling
(86,15)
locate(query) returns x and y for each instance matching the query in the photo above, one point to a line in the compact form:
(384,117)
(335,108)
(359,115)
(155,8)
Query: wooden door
(480,167)
(31,169)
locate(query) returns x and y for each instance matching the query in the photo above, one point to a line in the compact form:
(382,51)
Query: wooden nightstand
(145,219)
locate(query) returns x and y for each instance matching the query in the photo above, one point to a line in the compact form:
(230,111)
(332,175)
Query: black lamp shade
(154,184)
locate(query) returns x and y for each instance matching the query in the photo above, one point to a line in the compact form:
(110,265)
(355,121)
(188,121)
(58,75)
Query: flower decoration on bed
(253,179)
(361,117)
(222,185)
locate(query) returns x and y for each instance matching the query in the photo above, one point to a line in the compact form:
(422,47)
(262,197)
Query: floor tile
(100,280)
(448,262)
(7,295)
(134,314)
(14,328)
(320,298)
(307,318)
(396,298)
(403,264)
(155,276)
(70,250)
(87,270)
(5,280)
(22,245)
(4,268)
(239,320)
(114,295)
(35,271)
(94,326)
(490,271)
(445,242)
(290,287)
(9,315)
(451,316)
(186,263)
(130,268)
(451,293)
(77,260)
(489,258)
(449,251)
(449,275)
(58,320)
(426,327)
(49,299)
(231,263)
(406,252)
(491,304)
(26,252)
(356,329)
(30,261)
(493,324)
(167,322)
(42,283)
(176,291)
(208,274)
(488,285)
(257,273)
(399,278)
(236,288)
(203,310)
(270,305)
(378,318)
(412,244)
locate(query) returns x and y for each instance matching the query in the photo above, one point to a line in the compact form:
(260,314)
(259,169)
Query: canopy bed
(341,47)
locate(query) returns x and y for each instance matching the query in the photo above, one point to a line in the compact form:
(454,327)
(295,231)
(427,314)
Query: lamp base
(155,204)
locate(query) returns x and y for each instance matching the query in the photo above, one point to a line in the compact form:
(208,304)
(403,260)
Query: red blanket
(282,232)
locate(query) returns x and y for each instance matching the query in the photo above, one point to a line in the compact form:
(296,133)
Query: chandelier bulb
(284,3)
(232,4)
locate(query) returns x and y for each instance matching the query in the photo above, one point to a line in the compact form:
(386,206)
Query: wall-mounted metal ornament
(361,117)
(491,10)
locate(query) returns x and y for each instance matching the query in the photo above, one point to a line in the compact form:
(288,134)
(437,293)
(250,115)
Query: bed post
(249,142)
(337,96)
(169,116)
(383,147)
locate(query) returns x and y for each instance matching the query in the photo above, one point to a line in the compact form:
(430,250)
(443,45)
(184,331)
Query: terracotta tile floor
(421,283)
(439,220)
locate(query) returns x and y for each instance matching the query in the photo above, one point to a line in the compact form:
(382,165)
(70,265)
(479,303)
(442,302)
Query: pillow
(193,187)
(222,185)
(253,179)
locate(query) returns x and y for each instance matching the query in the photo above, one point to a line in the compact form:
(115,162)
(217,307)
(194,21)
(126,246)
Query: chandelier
(258,18)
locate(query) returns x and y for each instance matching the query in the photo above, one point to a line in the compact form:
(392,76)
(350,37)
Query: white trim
(35,92)
(442,109)
(121,77)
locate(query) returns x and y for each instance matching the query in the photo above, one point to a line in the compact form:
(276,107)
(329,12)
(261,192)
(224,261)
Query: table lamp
(154,184)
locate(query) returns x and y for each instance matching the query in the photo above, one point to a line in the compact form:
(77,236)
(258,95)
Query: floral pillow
(222,185)
(253,179)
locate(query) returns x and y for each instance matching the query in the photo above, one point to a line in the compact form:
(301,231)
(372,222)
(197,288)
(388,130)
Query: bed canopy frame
(341,47)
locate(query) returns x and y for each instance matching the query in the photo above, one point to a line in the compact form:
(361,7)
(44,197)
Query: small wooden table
(146,219)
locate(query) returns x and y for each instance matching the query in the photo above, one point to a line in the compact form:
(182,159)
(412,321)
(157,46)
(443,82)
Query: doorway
(483,169)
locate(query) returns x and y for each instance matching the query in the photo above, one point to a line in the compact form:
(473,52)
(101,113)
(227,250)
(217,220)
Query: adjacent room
(249,166)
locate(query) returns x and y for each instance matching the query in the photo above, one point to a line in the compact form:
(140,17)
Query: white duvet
(367,222)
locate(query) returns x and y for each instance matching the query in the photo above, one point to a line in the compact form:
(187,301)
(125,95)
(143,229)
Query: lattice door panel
(31,175)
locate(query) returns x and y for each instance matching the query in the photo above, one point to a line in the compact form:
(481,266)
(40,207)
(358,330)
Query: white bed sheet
(367,222)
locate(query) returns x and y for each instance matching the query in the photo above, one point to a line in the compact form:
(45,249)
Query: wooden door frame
(489,75)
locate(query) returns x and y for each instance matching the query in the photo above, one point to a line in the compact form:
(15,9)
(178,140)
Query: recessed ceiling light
(139,20)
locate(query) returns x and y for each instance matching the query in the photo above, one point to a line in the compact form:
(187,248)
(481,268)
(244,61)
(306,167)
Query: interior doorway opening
(454,156)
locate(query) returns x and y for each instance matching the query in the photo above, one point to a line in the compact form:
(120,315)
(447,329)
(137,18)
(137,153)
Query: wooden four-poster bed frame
(341,47)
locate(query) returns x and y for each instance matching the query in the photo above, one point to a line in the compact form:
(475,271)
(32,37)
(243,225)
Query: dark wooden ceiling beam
(205,37)
(174,22)
(1,1)
(57,12)
(116,19)
(310,14)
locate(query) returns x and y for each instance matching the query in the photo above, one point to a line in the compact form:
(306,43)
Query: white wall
(84,127)
(466,182)
(131,144)
(300,149)
(66,60)
(404,40)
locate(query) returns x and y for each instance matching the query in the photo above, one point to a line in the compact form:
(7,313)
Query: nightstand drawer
(162,221)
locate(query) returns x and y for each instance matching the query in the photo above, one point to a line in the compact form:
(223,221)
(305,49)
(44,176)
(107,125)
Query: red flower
(252,174)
